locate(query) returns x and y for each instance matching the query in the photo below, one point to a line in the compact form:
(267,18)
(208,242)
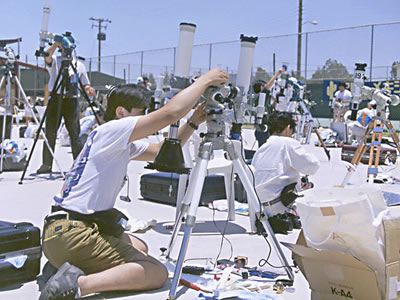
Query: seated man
(88,256)
(280,162)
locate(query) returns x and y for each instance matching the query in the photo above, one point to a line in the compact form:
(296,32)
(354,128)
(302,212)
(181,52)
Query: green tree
(394,73)
(166,77)
(152,81)
(294,74)
(332,70)
(261,74)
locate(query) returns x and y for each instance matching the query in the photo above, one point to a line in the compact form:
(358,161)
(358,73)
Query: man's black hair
(128,96)
(278,121)
(342,83)
(258,86)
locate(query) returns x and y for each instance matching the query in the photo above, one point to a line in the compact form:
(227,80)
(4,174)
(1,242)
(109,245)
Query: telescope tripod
(191,201)
(307,118)
(376,127)
(9,76)
(59,84)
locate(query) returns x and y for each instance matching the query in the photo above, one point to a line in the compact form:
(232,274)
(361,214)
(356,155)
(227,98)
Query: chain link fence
(325,55)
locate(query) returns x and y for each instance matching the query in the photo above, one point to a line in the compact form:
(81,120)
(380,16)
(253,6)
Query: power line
(101,36)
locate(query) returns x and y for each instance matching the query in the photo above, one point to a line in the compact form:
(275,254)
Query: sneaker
(63,285)
(43,169)
(47,272)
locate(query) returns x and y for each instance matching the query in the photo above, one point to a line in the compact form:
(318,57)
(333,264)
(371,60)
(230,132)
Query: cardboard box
(335,275)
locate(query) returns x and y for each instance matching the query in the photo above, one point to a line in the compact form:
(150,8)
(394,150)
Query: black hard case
(157,187)
(19,239)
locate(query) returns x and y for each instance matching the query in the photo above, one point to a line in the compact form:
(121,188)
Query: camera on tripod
(383,99)
(10,55)
(67,42)
(298,89)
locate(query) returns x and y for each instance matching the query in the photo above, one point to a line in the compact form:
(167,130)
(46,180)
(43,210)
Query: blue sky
(142,25)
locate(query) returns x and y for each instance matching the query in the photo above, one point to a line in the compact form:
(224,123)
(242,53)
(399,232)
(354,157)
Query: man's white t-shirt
(345,95)
(98,172)
(56,66)
(278,163)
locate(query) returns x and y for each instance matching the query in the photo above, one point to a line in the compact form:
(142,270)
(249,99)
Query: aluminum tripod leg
(309,131)
(197,181)
(302,127)
(37,123)
(3,131)
(252,200)
(182,183)
(184,206)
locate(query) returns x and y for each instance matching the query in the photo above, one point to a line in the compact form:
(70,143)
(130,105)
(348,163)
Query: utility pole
(299,35)
(101,36)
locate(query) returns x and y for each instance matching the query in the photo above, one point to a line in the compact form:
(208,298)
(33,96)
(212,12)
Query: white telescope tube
(184,53)
(45,25)
(247,47)
(260,109)
(158,94)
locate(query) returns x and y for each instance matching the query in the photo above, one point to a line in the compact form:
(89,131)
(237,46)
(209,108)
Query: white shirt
(55,68)
(279,162)
(86,124)
(284,101)
(345,95)
(97,174)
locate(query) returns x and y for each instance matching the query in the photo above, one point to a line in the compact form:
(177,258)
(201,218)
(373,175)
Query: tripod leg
(33,147)
(393,134)
(302,127)
(310,126)
(85,95)
(41,131)
(322,142)
(57,84)
(2,80)
(183,178)
(197,180)
(184,206)
(3,133)
(362,147)
(7,103)
(253,200)
(375,149)
(378,150)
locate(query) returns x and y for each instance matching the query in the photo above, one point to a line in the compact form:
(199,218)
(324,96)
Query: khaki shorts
(82,245)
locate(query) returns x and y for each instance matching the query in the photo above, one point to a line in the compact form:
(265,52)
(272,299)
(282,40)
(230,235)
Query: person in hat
(70,108)
(144,82)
